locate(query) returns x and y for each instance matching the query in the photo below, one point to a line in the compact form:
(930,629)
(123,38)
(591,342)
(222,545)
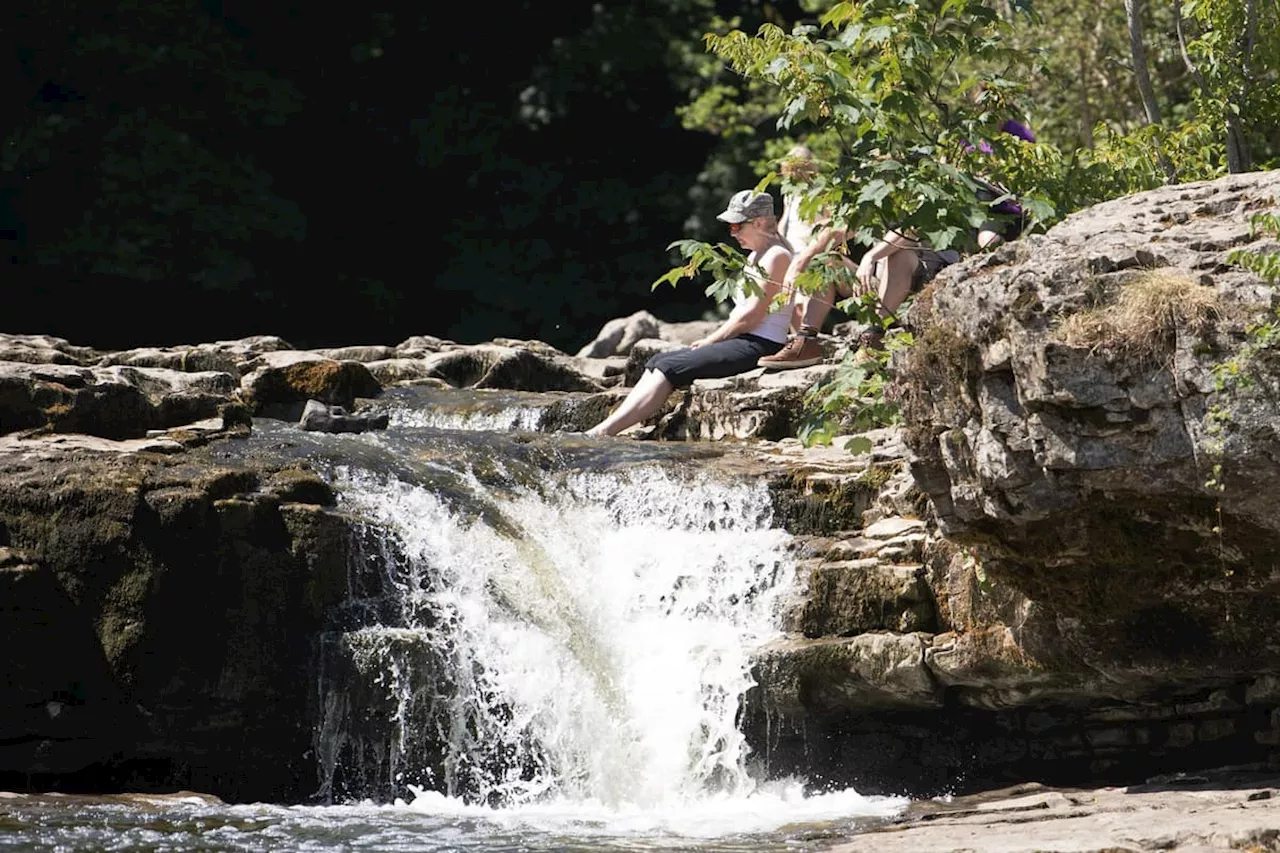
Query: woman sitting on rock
(755,327)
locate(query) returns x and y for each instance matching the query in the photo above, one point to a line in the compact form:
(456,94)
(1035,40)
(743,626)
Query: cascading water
(578,644)
(596,649)
(544,647)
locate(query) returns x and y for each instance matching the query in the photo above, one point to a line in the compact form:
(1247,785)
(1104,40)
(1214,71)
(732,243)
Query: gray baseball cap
(745,205)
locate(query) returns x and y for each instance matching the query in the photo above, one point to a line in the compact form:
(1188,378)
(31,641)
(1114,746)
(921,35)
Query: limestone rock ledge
(1100,609)
(50,385)
(908,668)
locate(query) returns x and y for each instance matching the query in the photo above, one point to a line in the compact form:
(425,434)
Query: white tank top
(776,323)
(795,230)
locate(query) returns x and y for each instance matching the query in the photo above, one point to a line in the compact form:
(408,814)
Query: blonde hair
(769,225)
(798,163)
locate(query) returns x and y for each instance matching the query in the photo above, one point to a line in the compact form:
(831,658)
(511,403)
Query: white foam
(600,658)
(773,807)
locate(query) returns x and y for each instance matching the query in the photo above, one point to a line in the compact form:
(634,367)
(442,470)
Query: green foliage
(1084,71)
(1233,49)
(1263,335)
(854,399)
(892,83)
(726,105)
(902,103)
(1265,265)
(1118,165)
(725,264)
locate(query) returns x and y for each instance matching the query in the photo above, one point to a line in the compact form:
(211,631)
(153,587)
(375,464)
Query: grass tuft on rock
(1143,317)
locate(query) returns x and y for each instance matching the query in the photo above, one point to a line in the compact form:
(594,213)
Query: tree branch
(1250,36)
(1133,11)
(1186,54)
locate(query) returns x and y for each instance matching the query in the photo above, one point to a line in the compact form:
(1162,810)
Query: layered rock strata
(1101,521)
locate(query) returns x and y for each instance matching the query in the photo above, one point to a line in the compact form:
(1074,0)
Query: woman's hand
(866,274)
(700,342)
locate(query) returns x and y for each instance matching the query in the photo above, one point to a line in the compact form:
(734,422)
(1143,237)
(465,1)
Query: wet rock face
(159,613)
(61,708)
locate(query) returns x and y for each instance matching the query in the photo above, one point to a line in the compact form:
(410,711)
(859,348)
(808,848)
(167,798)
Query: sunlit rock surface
(1101,610)
(1227,809)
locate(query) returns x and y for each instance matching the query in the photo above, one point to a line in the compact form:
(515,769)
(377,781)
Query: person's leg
(896,275)
(648,395)
(803,350)
(816,307)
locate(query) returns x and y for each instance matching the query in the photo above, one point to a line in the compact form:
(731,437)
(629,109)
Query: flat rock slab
(1195,814)
(890,528)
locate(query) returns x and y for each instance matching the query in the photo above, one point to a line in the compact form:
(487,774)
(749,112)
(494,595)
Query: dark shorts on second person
(713,361)
(929,263)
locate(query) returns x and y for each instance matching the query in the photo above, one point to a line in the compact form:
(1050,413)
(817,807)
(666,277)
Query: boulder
(44,349)
(362,354)
(683,334)
(319,417)
(222,356)
(112,402)
(279,384)
(525,368)
(1071,442)
(619,335)
(608,371)
(420,345)
(404,371)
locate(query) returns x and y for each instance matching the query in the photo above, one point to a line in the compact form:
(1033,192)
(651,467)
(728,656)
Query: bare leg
(645,398)
(815,307)
(895,279)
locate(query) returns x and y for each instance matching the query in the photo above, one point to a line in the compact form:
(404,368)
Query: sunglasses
(735,227)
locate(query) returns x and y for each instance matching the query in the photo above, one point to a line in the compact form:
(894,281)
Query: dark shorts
(929,263)
(713,361)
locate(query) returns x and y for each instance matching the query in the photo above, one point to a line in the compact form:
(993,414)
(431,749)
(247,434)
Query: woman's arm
(892,242)
(825,238)
(746,315)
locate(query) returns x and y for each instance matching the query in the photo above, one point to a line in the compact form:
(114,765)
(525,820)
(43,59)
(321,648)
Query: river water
(539,652)
(176,824)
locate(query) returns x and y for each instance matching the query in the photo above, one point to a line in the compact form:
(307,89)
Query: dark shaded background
(178,171)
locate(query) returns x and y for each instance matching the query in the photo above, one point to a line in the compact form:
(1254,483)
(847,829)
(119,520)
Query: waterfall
(585,639)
